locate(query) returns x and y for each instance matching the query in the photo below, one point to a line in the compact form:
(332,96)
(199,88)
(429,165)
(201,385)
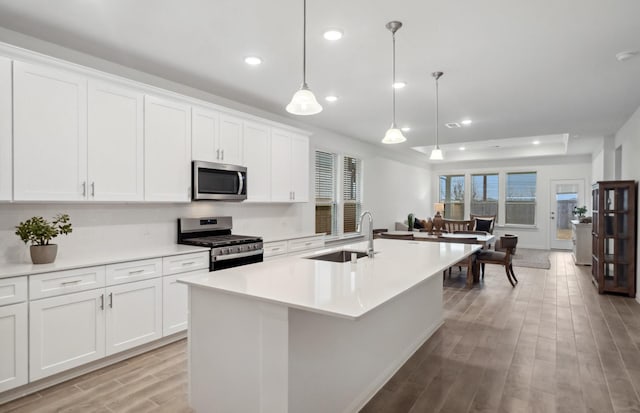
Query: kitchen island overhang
(301,335)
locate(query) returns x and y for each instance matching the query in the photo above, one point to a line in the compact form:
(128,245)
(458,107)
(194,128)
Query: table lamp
(438,220)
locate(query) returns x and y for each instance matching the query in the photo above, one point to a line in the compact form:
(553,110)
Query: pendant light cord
(304,45)
(437,147)
(393,85)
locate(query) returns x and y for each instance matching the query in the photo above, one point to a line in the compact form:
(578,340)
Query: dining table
(484,239)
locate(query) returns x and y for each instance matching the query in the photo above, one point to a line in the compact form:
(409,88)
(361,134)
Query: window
(351,192)
(326,220)
(520,204)
(484,194)
(452,195)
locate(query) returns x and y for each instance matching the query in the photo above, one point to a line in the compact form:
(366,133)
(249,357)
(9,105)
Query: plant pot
(43,254)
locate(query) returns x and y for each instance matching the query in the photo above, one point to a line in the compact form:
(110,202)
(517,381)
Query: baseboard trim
(58,378)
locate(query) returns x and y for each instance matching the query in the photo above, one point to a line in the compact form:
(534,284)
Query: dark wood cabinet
(614,236)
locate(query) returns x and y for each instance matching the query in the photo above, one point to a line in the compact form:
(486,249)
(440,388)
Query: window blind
(325,192)
(521,198)
(452,195)
(351,192)
(484,194)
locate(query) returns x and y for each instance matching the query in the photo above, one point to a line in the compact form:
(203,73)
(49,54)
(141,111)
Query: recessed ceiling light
(536,142)
(253,60)
(462,148)
(467,122)
(333,34)
(622,56)
(399,85)
(405,129)
(331,98)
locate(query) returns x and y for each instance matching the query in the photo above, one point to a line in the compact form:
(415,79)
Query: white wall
(629,138)
(603,161)
(548,169)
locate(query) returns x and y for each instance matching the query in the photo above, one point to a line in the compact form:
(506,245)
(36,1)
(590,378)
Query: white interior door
(565,195)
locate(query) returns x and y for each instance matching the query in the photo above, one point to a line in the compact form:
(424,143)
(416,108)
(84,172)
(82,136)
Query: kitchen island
(296,334)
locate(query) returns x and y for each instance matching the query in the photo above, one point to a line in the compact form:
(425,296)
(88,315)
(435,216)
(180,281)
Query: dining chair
(469,263)
(453,225)
(500,258)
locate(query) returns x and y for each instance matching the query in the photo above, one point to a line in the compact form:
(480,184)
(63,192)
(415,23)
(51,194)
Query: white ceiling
(519,69)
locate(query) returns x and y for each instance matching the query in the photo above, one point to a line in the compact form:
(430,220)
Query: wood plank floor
(552,344)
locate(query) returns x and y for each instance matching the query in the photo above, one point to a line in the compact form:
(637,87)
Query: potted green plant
(410,221)
(38,231)
(580,211)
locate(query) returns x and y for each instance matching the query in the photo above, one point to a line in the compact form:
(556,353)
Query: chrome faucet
(370,244)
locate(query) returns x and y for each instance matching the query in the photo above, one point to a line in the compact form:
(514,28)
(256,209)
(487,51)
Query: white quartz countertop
(101,257)
(339,289)
(275,238)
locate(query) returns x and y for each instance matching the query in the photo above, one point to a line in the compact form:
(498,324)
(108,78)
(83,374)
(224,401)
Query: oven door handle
(238,255)
(241,179)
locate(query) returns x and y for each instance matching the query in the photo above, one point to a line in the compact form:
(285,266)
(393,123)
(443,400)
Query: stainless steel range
(227,250)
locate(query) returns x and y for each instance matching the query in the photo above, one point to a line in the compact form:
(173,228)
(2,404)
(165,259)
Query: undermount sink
(338,256)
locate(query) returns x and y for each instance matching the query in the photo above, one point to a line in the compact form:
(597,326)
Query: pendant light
(436,153)
(393,135)
(303,101)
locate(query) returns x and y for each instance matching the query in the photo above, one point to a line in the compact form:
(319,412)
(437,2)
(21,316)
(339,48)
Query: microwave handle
(241,183)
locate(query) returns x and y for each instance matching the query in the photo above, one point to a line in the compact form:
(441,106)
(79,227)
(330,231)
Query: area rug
(530,258)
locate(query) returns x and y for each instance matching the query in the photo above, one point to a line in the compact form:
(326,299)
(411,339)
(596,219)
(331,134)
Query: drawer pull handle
(189,263)
(136,272)
(307,243)
(275,249)
(71,282)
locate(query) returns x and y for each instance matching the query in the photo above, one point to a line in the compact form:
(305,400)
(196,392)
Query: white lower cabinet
(134,314)
(175,298)
(65,332)
(14,343)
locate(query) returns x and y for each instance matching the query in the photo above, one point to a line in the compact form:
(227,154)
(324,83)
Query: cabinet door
(13,346)
(167,150)
(300,168)
(230,140)
(65,332)
(204,135)
(280,167)
(134,314)
(50,134)
(115,143)
(175,297)
(257,160)
(5,129)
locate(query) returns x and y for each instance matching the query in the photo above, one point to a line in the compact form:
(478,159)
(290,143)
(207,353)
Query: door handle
(110,300)
(93,189)
(102,301)
(241,179)
(222,154)
(84,188)
(218,154)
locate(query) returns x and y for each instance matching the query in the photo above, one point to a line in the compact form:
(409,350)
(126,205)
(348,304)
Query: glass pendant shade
(393,135)
(436,154)
(304,103)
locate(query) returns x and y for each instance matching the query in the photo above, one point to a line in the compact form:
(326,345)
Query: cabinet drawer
(62,282)
(274,248)
(186,262)
(303,244)
(13,290)
(133,271)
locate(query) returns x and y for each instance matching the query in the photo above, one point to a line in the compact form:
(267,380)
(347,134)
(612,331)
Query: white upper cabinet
(5,129)
(204,135)
(50,134)
(289,167)
(300,168)
(167,150)
(230,140)
(116,139)
(257,159)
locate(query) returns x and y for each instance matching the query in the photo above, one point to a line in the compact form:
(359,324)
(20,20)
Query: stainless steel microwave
(217,181)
